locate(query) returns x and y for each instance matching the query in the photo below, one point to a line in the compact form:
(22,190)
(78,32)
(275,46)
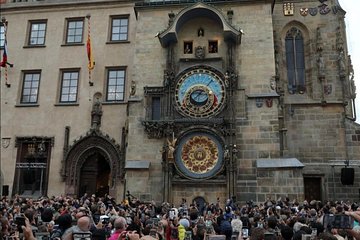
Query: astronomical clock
(200,94)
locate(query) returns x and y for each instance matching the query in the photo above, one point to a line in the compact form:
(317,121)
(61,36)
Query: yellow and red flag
(91,63)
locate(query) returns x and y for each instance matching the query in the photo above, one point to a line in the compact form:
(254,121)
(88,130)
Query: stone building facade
(201,100)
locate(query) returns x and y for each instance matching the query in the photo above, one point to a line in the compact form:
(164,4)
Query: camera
(340,221)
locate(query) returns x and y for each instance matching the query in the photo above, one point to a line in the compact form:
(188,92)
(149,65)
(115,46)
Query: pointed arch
(295,36)
(93,143)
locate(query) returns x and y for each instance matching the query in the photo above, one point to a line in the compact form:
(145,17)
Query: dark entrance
(94,176)
(312,188)
(200,203)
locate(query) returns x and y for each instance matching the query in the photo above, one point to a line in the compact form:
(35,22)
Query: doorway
(200,203)
(312,188)
(94,176)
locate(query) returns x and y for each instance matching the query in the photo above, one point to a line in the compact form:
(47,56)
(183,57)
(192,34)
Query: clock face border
(211,152)
(210,81)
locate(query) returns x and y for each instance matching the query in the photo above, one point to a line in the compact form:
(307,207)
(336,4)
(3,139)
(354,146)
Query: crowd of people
(91,217)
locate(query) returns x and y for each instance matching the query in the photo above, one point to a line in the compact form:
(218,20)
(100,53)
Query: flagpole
(91,62)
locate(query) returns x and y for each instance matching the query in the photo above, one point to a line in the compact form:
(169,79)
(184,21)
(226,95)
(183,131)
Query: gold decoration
(200,154)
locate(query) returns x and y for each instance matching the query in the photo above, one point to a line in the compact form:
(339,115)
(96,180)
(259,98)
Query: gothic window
(295,63)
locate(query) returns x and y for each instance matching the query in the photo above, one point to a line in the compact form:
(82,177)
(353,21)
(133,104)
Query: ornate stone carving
(85,146)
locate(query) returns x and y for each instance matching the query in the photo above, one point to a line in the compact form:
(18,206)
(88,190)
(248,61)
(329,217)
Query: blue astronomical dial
(200,93)
(199,97)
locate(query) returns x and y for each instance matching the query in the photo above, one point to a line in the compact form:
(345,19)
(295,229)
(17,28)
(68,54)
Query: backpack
(174,233)
(225,226)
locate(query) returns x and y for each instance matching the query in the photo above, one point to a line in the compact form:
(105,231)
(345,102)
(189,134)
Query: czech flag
(4,57)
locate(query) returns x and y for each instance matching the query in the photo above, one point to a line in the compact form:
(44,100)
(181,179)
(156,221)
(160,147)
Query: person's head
(83,223)
(120,224)
(272,222)
(306,229)
(64,221)
(47,215)
(257,234)
(30,214)
(319,227)
(327,236)
(287,232)
(298,235)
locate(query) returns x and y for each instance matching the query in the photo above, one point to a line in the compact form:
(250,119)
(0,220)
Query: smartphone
(245,233)
(340,221)
(171,214)
(20,221)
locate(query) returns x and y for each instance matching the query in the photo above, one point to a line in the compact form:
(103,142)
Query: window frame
(295,70)
(111,30)
(24,74)
(31,23)
(62,73)
(108,70)
(68,21)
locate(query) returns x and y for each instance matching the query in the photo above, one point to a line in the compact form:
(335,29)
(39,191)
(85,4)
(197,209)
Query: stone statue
(321,65)
(96,114)
(341,62)
(200,52)
(171,148)
(132,88)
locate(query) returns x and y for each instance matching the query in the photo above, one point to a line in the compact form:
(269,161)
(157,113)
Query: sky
(352,18)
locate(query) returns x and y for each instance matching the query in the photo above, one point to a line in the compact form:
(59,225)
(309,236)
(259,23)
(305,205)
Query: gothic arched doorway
(94,176)
(93,164)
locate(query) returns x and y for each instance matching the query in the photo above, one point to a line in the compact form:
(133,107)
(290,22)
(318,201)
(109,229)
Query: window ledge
(114,103)
(66,104)
(34,46)
(117,42)
(27,105)
(72,44)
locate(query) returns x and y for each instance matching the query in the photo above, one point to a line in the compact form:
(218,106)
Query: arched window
(295,64)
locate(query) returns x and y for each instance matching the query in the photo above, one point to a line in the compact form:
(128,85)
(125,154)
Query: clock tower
(196,121)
